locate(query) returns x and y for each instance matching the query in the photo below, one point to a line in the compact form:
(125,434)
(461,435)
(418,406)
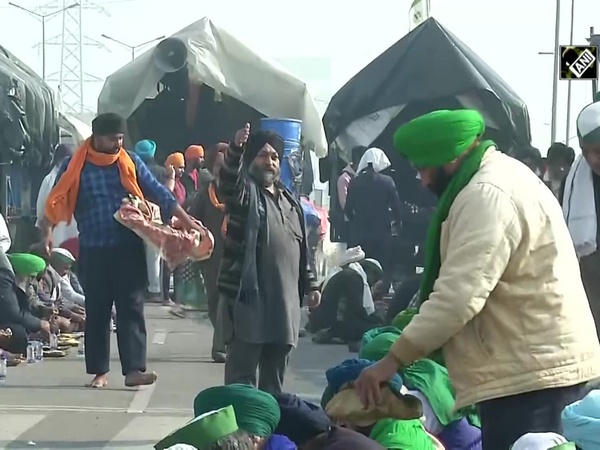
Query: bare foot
(140,379)
(99,381)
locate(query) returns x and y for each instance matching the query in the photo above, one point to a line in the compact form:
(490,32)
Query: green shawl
(461,178)
(431,141)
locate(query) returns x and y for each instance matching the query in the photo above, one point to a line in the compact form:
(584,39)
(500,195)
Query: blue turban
(145,149)
(581,421)
(349,371)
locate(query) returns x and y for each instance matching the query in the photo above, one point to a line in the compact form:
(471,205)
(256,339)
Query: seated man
(347,308)
(71,317)
(62,262)
(16,272)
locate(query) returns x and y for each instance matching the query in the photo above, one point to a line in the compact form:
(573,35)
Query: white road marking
(99,409)
(14,425)
(147,428)
(141,399)
(160,336)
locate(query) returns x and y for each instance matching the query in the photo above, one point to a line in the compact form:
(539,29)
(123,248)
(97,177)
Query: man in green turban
(501,292)
(16,272)
(256,411)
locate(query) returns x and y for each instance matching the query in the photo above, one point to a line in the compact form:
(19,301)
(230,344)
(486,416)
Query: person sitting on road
(16,272)
(257,412)
(71,317)
(213,430)
(347,309)
(62,261)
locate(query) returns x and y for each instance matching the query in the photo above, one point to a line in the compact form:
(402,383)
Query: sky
(507,34)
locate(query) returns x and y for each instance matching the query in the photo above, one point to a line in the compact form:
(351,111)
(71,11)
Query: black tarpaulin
(28,116)
(427,69)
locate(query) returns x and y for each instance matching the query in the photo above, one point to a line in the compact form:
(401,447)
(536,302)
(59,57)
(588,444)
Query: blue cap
(145,148)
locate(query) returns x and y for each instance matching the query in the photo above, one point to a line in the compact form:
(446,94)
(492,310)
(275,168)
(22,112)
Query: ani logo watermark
(578,62)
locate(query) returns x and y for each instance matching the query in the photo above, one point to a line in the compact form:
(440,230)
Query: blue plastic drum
(291,166)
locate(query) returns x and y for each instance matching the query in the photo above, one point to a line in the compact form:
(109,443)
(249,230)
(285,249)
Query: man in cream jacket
(501,292)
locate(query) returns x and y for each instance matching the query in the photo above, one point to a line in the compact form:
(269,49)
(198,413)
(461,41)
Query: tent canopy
(28,116)
(220,61)
(426,70)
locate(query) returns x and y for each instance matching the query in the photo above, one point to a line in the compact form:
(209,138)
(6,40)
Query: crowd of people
(496,350)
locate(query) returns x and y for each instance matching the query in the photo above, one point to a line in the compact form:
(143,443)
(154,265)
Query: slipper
(177,313)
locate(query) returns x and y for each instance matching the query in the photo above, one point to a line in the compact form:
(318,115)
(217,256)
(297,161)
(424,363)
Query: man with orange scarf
(90,187)
(207,207)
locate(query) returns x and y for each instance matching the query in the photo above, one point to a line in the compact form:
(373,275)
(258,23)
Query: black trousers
(504,420)
(18,341)
(210,273)
(381,250)
(245,359)
(590,266)
(165,275)
(114,275)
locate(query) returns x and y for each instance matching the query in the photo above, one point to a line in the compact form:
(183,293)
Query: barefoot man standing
(90,186)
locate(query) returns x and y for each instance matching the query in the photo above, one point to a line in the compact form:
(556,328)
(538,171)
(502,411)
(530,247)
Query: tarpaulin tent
(426,70)
(224,84)
(28,115)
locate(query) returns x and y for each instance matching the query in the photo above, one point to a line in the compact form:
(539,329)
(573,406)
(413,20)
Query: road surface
(45,406)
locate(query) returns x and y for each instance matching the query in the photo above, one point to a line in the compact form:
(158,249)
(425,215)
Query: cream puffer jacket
(508,308)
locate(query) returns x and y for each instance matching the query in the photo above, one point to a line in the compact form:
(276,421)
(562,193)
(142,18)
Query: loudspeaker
(170,55)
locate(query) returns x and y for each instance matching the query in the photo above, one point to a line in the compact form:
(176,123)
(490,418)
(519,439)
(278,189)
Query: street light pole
(568,133)
(556,73)
(42,18)
(133,48)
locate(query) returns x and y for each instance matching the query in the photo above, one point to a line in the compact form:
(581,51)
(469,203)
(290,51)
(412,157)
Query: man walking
(91,185)
(208,208)
(501,291)
(264,273)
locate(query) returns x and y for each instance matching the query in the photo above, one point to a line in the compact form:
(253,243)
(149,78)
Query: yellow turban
(175,159)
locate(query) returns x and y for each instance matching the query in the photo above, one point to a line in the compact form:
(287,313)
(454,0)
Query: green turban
(439,137)
(401,434)
(257,412)
(424,375)
(404,318)
(26,264)
(202,431)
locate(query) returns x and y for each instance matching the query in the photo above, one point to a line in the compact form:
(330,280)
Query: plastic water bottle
(30,353)
(3,369)
(81,348)
(39,351)
(53,342)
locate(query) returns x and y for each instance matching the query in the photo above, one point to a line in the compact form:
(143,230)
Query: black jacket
(14,304)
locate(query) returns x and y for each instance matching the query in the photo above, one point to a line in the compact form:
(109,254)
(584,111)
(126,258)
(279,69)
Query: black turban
(258,140)
(300,421)
(107,124)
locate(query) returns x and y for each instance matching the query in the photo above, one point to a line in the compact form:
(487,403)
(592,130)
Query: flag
(419,13)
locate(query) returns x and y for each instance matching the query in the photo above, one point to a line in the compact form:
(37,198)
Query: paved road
(45,406)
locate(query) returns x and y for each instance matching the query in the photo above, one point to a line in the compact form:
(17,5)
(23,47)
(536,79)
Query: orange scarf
(61,202)
(214,200)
